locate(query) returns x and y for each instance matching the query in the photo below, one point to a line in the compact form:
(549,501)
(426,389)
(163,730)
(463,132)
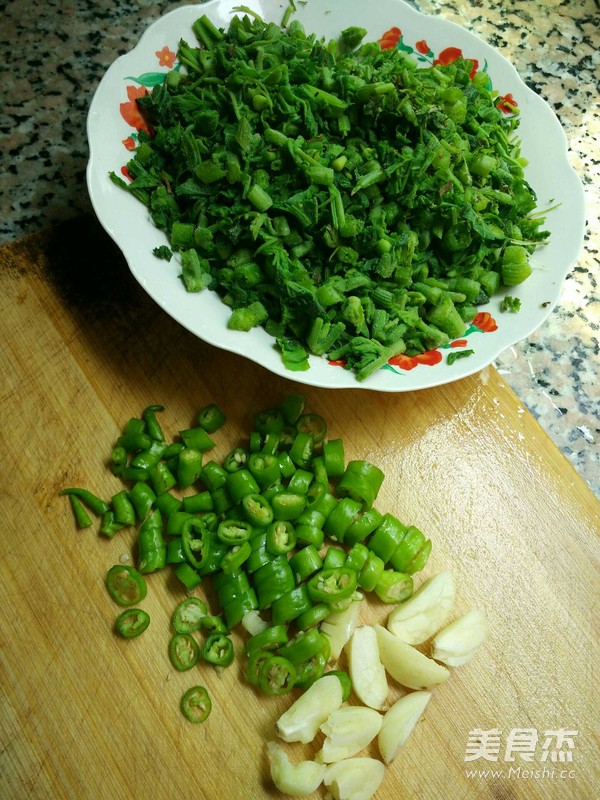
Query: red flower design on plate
(430,358)
(485,322)
(125,172)
(507,103)
(129,143)
(390,39)
(458,343)
(422,47)
(166,57)
(130,111)
(450,54)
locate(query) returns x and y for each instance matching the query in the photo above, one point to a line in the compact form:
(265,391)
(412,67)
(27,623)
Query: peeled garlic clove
(425,612)
(398,723)
(354,778)
(407,665)
(297,780)
(304,717)
(338,627)
(459,641)
(366,670)
(254,623)
(348,731)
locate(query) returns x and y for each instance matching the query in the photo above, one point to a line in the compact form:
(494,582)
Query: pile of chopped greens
(354,205)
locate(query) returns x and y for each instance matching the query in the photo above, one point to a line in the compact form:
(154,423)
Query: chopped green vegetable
(510,304)
(333,192)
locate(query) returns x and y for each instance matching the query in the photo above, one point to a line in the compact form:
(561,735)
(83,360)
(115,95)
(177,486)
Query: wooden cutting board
(85,715)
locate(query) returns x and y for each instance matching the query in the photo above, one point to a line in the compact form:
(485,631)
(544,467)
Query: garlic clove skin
(354,778)
(398,723)
(348,731)
(368,676)
(297,780)
(406,665)
(339,626)
(419,617)
(456,644)
(302,720)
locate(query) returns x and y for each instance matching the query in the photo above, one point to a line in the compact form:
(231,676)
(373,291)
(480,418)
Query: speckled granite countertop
(59,50)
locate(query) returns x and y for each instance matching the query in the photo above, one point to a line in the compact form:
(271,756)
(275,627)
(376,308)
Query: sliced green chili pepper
(314,425)
(189,467)
(211,418)
(319,470)
(310,671)
(273,580)
(184,651)
(281,537)
(198,503)
(276,675)
(236,609)
(265,468)
(82,518)
(132,622)
(175,522)
(123,508)
(302,647)
(331,585)
(125,585)
(188,615)
(289,606)
(167,504)
(142,497)
(241,483)
(371,572)
(152,550)
(334,557)
(94,503)
(361,481)
(134,425)
(218,650)
(320,499)
(394,587)
(213,476)
(235,557)
(135,474)
(420,559)
(196,704)
(269,639)
(341,518)
(300,481)
(118,460)
(152,426)
(334,458)
(287,505)
(161,478)
(408,548)
(175,553)
(188,576)
(257,510)
(363,526)
(150,457)
(310,535)
(313,616)
(196,541)
(255,442)
(134,441)
(271,444)
(357,557)
(197,439)
(213,623)
(305,562)
(173,450)
(221,500)
(109,525)
(302,449)
(232,531)
(236,459)
(255,662)
(286,465)
(386,538)
(269,421)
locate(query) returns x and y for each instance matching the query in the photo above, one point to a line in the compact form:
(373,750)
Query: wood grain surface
(84,715)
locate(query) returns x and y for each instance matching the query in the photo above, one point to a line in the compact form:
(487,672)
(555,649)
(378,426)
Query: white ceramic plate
(112,125)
